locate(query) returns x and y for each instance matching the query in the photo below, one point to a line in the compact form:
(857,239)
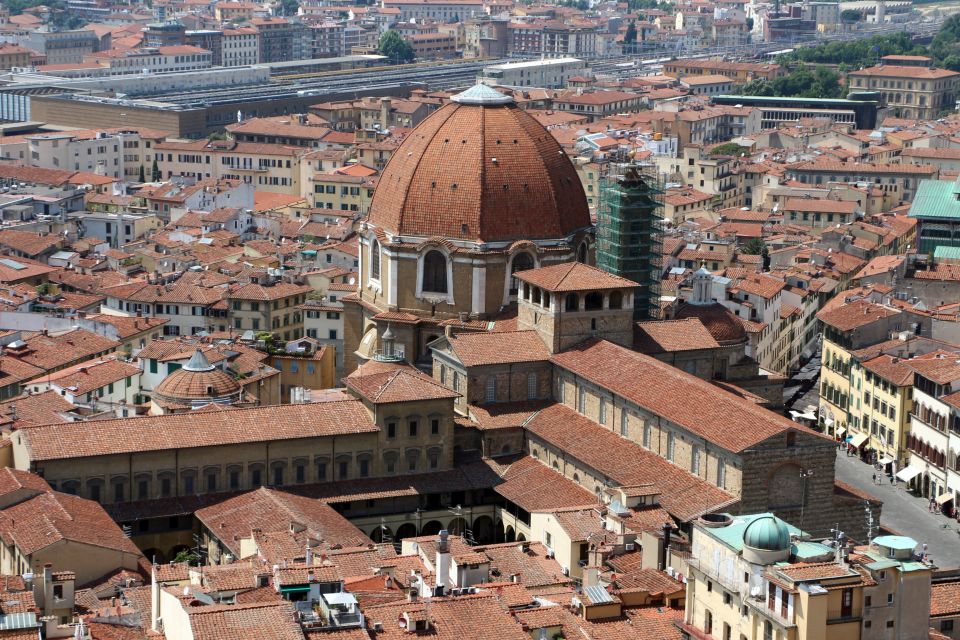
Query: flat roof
(779,99)
(533,63)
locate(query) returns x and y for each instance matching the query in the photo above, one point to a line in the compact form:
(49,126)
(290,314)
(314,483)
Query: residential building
(746,573)
(268,307)
(900,180)
(551,73)
(152,59)
(63,47)
(105,384)
(240,46)
(911,91)
(13,55)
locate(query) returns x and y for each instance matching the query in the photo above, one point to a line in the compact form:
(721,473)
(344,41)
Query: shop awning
(859,439)
(806,415)
(886,460)
(946,496)
(840,430)
(909,473)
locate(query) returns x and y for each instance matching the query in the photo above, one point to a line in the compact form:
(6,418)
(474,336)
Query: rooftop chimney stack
(443,562)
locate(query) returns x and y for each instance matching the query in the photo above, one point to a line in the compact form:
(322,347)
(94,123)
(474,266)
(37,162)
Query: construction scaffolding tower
(630,232)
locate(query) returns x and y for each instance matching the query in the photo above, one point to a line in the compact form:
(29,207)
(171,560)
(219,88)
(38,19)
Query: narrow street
(905,513)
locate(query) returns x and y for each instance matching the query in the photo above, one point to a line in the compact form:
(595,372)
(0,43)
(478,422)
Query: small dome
(197,380)
(767,533)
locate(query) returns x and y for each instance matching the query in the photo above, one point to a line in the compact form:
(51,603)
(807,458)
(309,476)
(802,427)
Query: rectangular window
(211,482)
(118,492)
(531,386)
(581,399)
(256,478)
(603,411)
(188,485)
(165,488)
(435,427)
(234,479)
(364,468)
(278,476)
(647,433)
(321,471)
(391,429)
(671,445)
(721,474)
(300,473)
(695,460)
(344,470)
(413,428)
(143,490)
(623,422)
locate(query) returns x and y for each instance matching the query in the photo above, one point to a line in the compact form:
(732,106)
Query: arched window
(582,253)
(375,259)
(593,301)
(435,272)
(616,300)
(521,262)
(572,302)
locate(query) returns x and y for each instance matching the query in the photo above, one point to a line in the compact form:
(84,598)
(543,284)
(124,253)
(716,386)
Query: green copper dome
(767,533)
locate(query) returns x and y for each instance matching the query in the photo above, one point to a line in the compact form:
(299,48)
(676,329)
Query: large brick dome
(480,169)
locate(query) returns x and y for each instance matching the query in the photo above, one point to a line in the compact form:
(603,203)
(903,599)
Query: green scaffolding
(630,232)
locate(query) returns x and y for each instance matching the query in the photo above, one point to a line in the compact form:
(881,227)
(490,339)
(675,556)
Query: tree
(754,247)
(850,16)
(188,556)
(727,149)
(393,46)
(143,176)
(155,172)
(631,35)
(289,7)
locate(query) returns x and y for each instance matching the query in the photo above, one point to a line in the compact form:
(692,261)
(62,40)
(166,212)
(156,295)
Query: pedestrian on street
(874,478)
(891,479)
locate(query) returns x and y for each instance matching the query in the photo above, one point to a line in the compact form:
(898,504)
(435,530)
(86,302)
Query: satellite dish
(353,281)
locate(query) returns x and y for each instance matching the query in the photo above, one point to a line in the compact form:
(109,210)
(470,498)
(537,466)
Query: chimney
(443,562)
(154,600)
(664,547)
(47,589)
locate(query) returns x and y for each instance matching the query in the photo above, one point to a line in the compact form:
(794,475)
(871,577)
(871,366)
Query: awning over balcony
(859,439)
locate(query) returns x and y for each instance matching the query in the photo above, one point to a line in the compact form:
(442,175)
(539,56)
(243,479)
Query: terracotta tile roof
(504,415)
(17,269)
(92,375)
(51,518)
(54,351)
(12,480)
(456,618)
(684,496)
(891,369)
(260,292)
(535,487)
(941,367)
(802,571)
(483,348)
(820,205)
(761,285)
(29,242)
(494,170)
(14,370)
(857,313)
(399,385)
(573,276)
(659,336)
(911,72)
(240,576)
(157,433)
(853,169)
(264,621)
(684,399)
(945,599)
